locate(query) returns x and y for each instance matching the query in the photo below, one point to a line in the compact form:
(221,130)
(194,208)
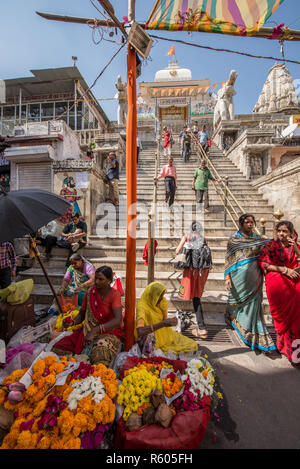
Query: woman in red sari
(279,260)
(100,336)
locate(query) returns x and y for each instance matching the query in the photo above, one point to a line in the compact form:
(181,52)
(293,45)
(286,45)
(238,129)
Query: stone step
(106,250)
(217,241)
(171,279)
(162,264)
(214,302)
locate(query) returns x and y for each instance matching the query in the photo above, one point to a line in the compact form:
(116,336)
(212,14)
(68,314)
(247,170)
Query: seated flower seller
(79,276)
(101,334)
(153,327)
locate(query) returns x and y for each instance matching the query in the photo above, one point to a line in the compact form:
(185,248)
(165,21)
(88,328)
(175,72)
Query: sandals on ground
(200,333)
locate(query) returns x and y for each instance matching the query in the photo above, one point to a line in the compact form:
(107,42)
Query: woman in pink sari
(280,260)
(100,336)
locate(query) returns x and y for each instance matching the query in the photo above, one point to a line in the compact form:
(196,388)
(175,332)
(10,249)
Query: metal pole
(225,200)
(20,106)
(131,10)
(150,249)
(75,102)
(38,255)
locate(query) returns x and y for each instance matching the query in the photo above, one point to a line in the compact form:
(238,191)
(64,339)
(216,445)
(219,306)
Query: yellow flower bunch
(59,327)
(136,388)
(70,424)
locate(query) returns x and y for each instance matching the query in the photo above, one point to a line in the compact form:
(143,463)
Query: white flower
(90,385)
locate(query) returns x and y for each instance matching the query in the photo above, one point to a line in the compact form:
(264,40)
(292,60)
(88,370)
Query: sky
(29,42)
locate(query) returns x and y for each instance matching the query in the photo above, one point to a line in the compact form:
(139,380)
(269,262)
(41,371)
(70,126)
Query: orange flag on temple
(171,51)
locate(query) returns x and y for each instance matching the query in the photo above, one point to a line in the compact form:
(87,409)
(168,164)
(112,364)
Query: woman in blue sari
(244,282)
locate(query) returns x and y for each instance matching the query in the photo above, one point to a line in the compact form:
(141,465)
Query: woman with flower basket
(153,328)
(101,334)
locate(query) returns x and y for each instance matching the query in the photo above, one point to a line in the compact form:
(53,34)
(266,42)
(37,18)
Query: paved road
(261,407)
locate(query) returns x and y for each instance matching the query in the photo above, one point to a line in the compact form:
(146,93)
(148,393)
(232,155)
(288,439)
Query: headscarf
(242,249)
(165,338)
(147,308)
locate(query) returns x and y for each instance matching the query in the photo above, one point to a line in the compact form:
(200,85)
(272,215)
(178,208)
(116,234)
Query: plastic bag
(163,373)
(69,299)
(51,344)
(22,360)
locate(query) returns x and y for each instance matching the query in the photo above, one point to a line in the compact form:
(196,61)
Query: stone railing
(88,135)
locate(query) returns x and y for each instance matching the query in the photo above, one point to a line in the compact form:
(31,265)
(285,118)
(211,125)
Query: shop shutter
(35,176)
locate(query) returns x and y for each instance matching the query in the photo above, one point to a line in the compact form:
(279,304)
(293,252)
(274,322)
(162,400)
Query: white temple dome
(173,73)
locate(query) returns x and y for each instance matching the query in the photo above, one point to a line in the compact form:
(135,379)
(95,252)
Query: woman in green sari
(244,282)
(79,277)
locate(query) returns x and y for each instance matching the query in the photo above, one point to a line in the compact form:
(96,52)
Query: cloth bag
(183,259)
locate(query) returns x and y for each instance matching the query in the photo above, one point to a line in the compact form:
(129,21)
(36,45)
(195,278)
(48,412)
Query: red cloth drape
(145,252)
(131,136)
(186,431)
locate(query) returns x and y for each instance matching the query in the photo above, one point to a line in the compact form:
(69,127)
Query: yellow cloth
(165,338)
(17,293)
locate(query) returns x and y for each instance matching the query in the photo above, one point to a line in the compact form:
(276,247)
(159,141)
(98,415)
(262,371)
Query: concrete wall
(281,188)
(90,198)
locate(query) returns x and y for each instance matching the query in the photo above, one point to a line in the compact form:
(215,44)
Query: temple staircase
(108,246)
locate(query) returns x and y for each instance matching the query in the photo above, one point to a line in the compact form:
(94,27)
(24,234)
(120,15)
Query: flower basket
(187,431)
(184,389)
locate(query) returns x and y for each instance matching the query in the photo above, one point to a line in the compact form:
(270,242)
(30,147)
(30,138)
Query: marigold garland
(43,420)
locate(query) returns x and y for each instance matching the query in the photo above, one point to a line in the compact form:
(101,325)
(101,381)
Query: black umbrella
(24,212)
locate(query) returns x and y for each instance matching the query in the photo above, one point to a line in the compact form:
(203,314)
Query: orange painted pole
(131,157)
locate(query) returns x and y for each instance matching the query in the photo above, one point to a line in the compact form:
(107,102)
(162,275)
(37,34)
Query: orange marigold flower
(50,360)
(57,443)
(72,443)
(3,394)
(39,367)
(204,373)
(44,442)
(10,440)
(85,405)
(40,407)
(91,424)
(24,440)
(65,422)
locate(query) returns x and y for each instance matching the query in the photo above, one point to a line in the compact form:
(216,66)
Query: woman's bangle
(152,330)
(102,329)
(285,271)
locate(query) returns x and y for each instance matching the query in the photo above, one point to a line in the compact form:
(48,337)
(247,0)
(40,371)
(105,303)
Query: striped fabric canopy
(234,17)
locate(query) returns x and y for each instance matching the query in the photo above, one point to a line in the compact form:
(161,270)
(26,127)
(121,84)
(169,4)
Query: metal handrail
(202,155)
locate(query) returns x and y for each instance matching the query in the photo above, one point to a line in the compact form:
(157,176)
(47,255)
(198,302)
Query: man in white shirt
(47,235)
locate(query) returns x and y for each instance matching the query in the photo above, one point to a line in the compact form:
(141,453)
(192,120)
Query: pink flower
(83,371)
(48,421)
(26,425)
(46,372)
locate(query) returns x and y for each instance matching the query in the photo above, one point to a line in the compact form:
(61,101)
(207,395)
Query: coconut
(6,421)
(149,416)
(134,422)
(163,415)
(157,398)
